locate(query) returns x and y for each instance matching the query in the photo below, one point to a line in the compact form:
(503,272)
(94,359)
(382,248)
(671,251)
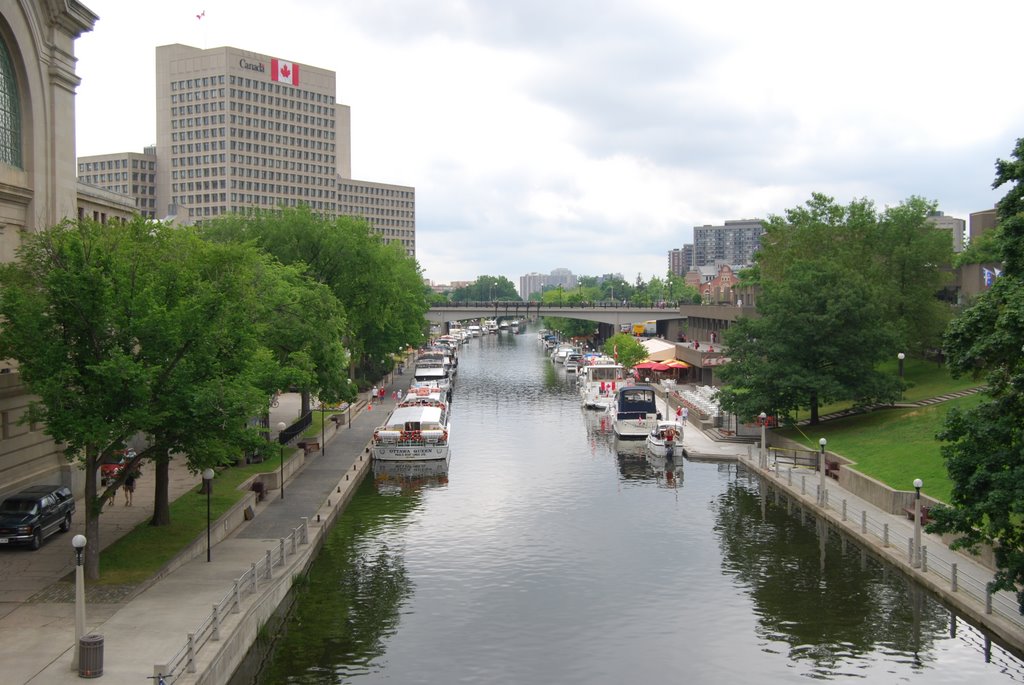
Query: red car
(112,470)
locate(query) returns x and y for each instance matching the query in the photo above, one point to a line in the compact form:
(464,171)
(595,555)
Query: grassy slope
(894,446)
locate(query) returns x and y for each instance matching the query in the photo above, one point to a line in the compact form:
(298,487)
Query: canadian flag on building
(285,72)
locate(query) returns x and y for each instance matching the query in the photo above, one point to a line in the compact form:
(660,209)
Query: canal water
(549,553)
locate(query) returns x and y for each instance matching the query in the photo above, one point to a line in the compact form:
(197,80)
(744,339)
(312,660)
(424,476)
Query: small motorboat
(666,439)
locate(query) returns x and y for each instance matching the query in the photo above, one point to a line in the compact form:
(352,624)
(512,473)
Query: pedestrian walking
(373,395)
(129,487)
(383,393)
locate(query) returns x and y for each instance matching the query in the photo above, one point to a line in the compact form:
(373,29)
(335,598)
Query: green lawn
(894,446)
(140,554)
(924,379)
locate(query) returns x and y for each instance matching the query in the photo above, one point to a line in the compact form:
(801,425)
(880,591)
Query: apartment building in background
(680,260)
(734,243)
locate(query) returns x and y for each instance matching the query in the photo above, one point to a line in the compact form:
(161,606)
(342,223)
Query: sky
(595,134)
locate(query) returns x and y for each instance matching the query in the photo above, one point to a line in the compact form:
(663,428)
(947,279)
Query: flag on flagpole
(201,14)
(284,72)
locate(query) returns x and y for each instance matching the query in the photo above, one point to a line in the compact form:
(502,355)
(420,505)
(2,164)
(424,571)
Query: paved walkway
(141,629)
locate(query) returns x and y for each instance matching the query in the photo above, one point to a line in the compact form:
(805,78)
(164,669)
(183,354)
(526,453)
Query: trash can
(90,656)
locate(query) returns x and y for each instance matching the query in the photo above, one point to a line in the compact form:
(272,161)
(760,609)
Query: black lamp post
(900,357)
(280,427)
(78,542)
(208,486)
(764,450)
(918,484)
(821,472)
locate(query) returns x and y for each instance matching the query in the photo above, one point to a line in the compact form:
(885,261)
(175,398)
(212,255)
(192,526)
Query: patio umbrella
(651,365)
(676,364)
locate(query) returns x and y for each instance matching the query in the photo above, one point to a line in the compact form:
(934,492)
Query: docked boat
(666,439)
(599,382)
(417,430)
(634,412)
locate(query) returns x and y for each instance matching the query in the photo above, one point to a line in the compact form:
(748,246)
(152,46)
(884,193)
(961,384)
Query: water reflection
(831,618)
(396,477)
(352,598)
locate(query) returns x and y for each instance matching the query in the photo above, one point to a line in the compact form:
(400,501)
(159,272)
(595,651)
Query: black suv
(34,513)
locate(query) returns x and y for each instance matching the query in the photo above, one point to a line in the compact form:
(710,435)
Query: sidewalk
(139,631)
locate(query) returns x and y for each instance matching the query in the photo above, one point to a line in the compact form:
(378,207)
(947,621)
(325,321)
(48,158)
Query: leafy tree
(984,249)
(123,328)
(626,349)
(808,347)
(837,271)
(984,450)
(487,289)
(679,291)
(380,287)
(912,263)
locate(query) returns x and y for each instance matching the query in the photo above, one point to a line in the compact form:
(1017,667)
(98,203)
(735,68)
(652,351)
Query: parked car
(31,515)
(112,470)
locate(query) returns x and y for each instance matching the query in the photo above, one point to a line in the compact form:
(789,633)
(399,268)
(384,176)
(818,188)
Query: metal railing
(247,584)
(959,579)
(295,430)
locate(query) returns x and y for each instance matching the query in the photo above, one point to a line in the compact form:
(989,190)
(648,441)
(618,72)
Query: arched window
(10,111)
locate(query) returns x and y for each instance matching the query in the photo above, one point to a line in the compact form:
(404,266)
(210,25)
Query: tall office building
(126,173)
(390,209)
(239,131)
(734,243)
(680,260)
(562,277)
(531,283)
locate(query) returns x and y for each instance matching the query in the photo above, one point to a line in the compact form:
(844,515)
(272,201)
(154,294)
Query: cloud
(595,135)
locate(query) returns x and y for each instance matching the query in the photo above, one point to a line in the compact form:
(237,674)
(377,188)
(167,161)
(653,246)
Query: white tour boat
(417,430)
(634,411)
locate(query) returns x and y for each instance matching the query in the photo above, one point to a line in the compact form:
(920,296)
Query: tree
(830,273)
(626,349)
(380,287)
(913,260)
(809,346)
(135,327)
(984,447)
(487,289)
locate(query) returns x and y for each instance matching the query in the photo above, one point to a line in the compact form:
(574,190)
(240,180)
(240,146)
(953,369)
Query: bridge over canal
(611,314)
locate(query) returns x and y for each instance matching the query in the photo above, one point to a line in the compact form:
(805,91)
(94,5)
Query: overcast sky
(595,134)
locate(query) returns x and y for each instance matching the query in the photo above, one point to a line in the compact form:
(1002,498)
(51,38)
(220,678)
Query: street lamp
(764,452)
(208,486)
(281,425)
(916,562)
(78,542)
(821,472)
(900,357)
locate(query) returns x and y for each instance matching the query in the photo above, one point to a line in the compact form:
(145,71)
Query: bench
(925,519)
(309,446)
(832,469)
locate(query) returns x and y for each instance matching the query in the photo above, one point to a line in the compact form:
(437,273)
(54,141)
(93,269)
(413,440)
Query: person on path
(373,395)
(129,487)
(383,393)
